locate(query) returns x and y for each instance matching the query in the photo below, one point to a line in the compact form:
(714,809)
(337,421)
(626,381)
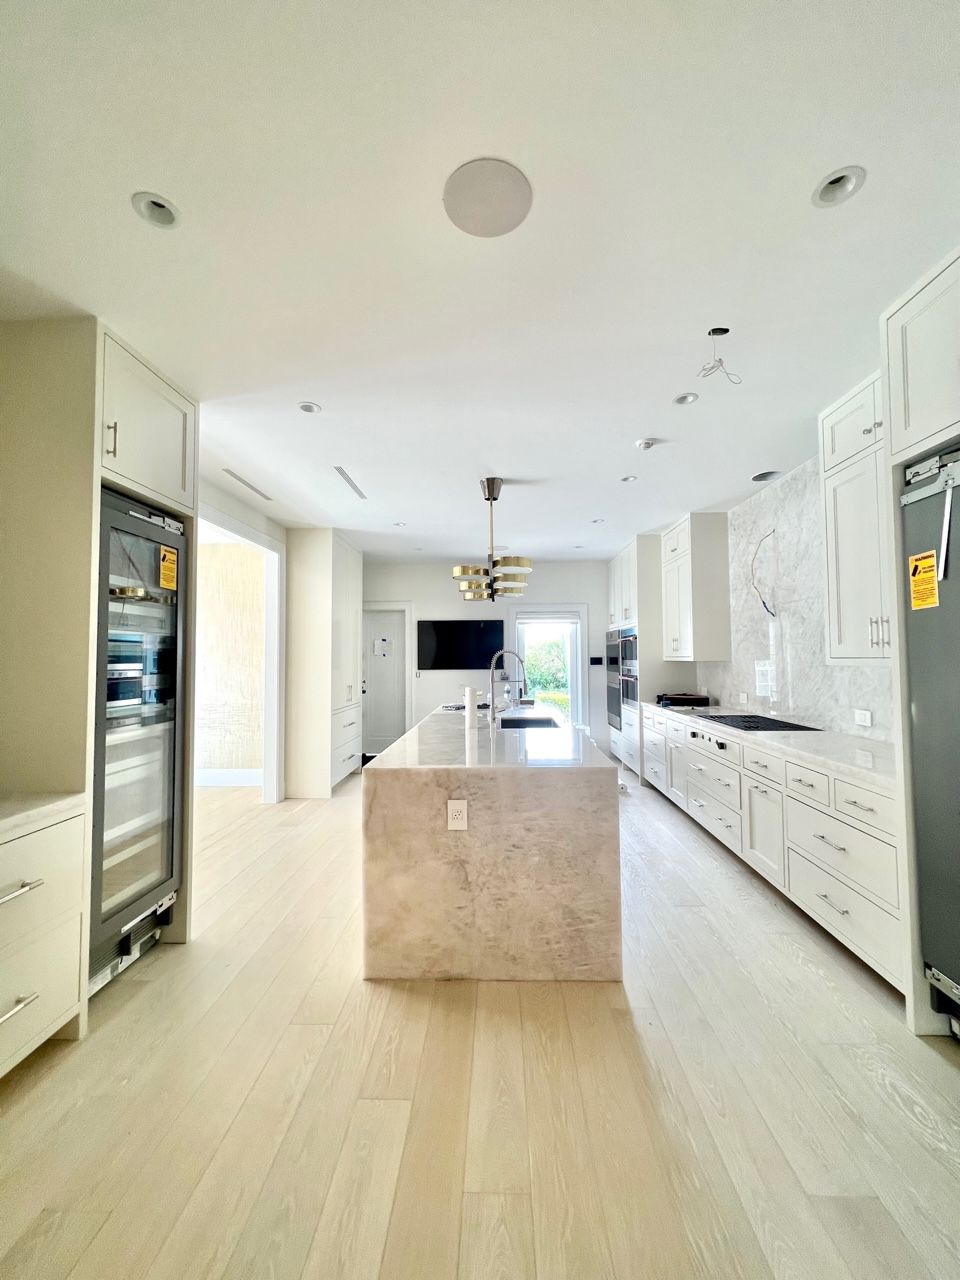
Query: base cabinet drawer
(715,817)
(616,743)
(41,878)
(631,755)
(859,857)
(655,772)
(847,913)
(772,768)
(346,725)
(654,746)
(344,760)
(763,845)
(676,730)
(808,782)
(39,985)
(873,809)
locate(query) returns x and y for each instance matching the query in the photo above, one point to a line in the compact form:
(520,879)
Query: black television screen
(457,646)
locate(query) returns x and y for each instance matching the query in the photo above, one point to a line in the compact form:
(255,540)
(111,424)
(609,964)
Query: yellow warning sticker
(924,588)
(168,568)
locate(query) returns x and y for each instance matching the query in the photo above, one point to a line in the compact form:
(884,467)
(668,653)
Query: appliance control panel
(711,743)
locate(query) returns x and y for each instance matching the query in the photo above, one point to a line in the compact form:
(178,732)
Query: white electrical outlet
(456,815)
(863,718)
(743,699)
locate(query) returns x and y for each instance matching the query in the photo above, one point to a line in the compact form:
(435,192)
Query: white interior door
(384,678)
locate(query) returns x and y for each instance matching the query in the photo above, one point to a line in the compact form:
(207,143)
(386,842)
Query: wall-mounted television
(458,646)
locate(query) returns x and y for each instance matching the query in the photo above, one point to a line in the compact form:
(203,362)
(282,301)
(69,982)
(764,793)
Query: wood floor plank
(496,1238)
(568,1228)
(497,1156)
(324,1000)
(231,1181)
(424,1235)
(395,1061)
(872,1245)
(353,1226)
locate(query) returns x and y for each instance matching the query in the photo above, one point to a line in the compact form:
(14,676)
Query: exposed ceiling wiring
(716,365)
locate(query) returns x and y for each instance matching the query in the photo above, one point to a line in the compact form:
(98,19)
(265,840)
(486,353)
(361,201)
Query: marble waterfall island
(530,891)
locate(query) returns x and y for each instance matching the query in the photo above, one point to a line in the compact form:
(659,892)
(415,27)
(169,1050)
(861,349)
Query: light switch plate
(456,815)
(863,718)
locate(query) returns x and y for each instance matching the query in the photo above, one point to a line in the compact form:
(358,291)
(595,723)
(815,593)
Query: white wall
(213,498)
(432,593)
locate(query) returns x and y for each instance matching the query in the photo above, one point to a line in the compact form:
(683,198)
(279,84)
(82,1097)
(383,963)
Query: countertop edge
(22,813)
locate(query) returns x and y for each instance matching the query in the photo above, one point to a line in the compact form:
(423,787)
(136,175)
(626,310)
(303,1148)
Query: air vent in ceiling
(348,479)
(247,485)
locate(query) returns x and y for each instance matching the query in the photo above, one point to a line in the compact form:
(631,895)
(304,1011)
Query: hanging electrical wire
(716,365)
(753,571)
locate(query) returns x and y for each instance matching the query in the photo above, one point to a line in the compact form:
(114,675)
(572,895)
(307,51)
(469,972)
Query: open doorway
(550,647)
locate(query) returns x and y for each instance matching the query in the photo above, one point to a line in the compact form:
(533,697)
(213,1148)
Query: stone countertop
(865,761)
(23,812)
(440,741)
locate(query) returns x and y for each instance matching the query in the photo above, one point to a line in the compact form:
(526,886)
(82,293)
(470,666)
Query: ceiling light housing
(597,520)
(686,397)
(762,476)
(309,406)
(646,443)
(157,210)
(627,479)
(839,186)
(487,197)
(399,524)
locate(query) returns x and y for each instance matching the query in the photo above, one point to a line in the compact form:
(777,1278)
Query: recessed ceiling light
(761,476)
(399,524)
(309,406)
(688,397)
(646,443)
(578,546)
(157,210)
(487,197)
(839,186)
(627,479)
(599,520)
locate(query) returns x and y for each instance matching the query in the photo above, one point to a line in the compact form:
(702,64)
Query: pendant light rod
(477,582)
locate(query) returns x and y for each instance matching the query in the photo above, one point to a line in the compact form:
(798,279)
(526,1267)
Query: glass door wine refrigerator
(138,775)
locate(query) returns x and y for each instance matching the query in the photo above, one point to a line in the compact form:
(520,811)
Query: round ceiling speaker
(487,197)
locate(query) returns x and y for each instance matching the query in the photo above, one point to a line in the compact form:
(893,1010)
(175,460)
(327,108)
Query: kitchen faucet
(501,653)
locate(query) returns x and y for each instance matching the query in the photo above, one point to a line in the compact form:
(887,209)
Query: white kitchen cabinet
(763,845)
(852,425)
(148,430)
(696,590)
(676,773)
(858,590)
(614,591)
(921,336)
(622,587)
(347,619)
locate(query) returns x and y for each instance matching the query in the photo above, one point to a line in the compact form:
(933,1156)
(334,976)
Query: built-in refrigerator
(931,546)
(138,756)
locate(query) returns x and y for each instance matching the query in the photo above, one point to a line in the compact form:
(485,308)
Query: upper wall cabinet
(148,434)
(921,336)
(852,477)
(622,587)
(696,589)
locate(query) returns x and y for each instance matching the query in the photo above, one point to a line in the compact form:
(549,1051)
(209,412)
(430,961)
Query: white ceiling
(672,148)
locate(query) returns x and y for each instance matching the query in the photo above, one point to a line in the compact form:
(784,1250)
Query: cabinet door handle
(809,785)
(26,886)
(854,804)
(19,1004)
(840,848)
(843,911)
(115,428)
(885,638)
(874,629)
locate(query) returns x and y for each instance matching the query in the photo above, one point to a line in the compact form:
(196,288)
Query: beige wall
(229,661)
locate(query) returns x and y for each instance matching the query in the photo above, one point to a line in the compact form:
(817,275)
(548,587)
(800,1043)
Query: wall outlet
(863,718)
(456,815)
(743,699)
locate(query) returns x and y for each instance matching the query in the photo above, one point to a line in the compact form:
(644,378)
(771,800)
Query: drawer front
(39,983)
(772,768)
(875,810)
(616,743)
(659,722)
(718,780)
(808,783)
(654,746)
(714,816)
(630,723)
(852,426)
(860,857)
(631,755)
(846,912)
(676,730)
(676,542)
(345,759)
(346,725)
(721,748)
(647,717)
(655,772)
(41,877)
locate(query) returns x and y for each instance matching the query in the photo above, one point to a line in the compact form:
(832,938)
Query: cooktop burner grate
(768,724)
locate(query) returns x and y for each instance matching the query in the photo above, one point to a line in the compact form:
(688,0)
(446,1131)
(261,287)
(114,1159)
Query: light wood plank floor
(747,1104)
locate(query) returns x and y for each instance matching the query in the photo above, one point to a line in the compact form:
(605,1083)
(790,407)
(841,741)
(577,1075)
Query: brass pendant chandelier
(502,575)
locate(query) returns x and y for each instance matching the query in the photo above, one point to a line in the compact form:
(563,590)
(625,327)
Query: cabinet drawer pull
(697,768)
(757,765)
(349,724)
(823,840)
(19,1004)
(854,804)
(840,910)
(25,887)
(348,758)
(810,785)
(698,803)
(115,428)
(762,790)
(724,783)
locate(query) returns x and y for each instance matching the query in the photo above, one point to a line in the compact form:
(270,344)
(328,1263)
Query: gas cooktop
(758,724)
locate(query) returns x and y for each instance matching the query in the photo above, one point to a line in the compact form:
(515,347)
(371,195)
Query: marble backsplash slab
(779,656)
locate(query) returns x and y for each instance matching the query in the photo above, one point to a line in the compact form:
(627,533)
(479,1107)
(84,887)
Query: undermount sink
(527,722)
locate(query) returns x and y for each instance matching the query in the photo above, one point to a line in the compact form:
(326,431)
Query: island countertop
(440,741)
